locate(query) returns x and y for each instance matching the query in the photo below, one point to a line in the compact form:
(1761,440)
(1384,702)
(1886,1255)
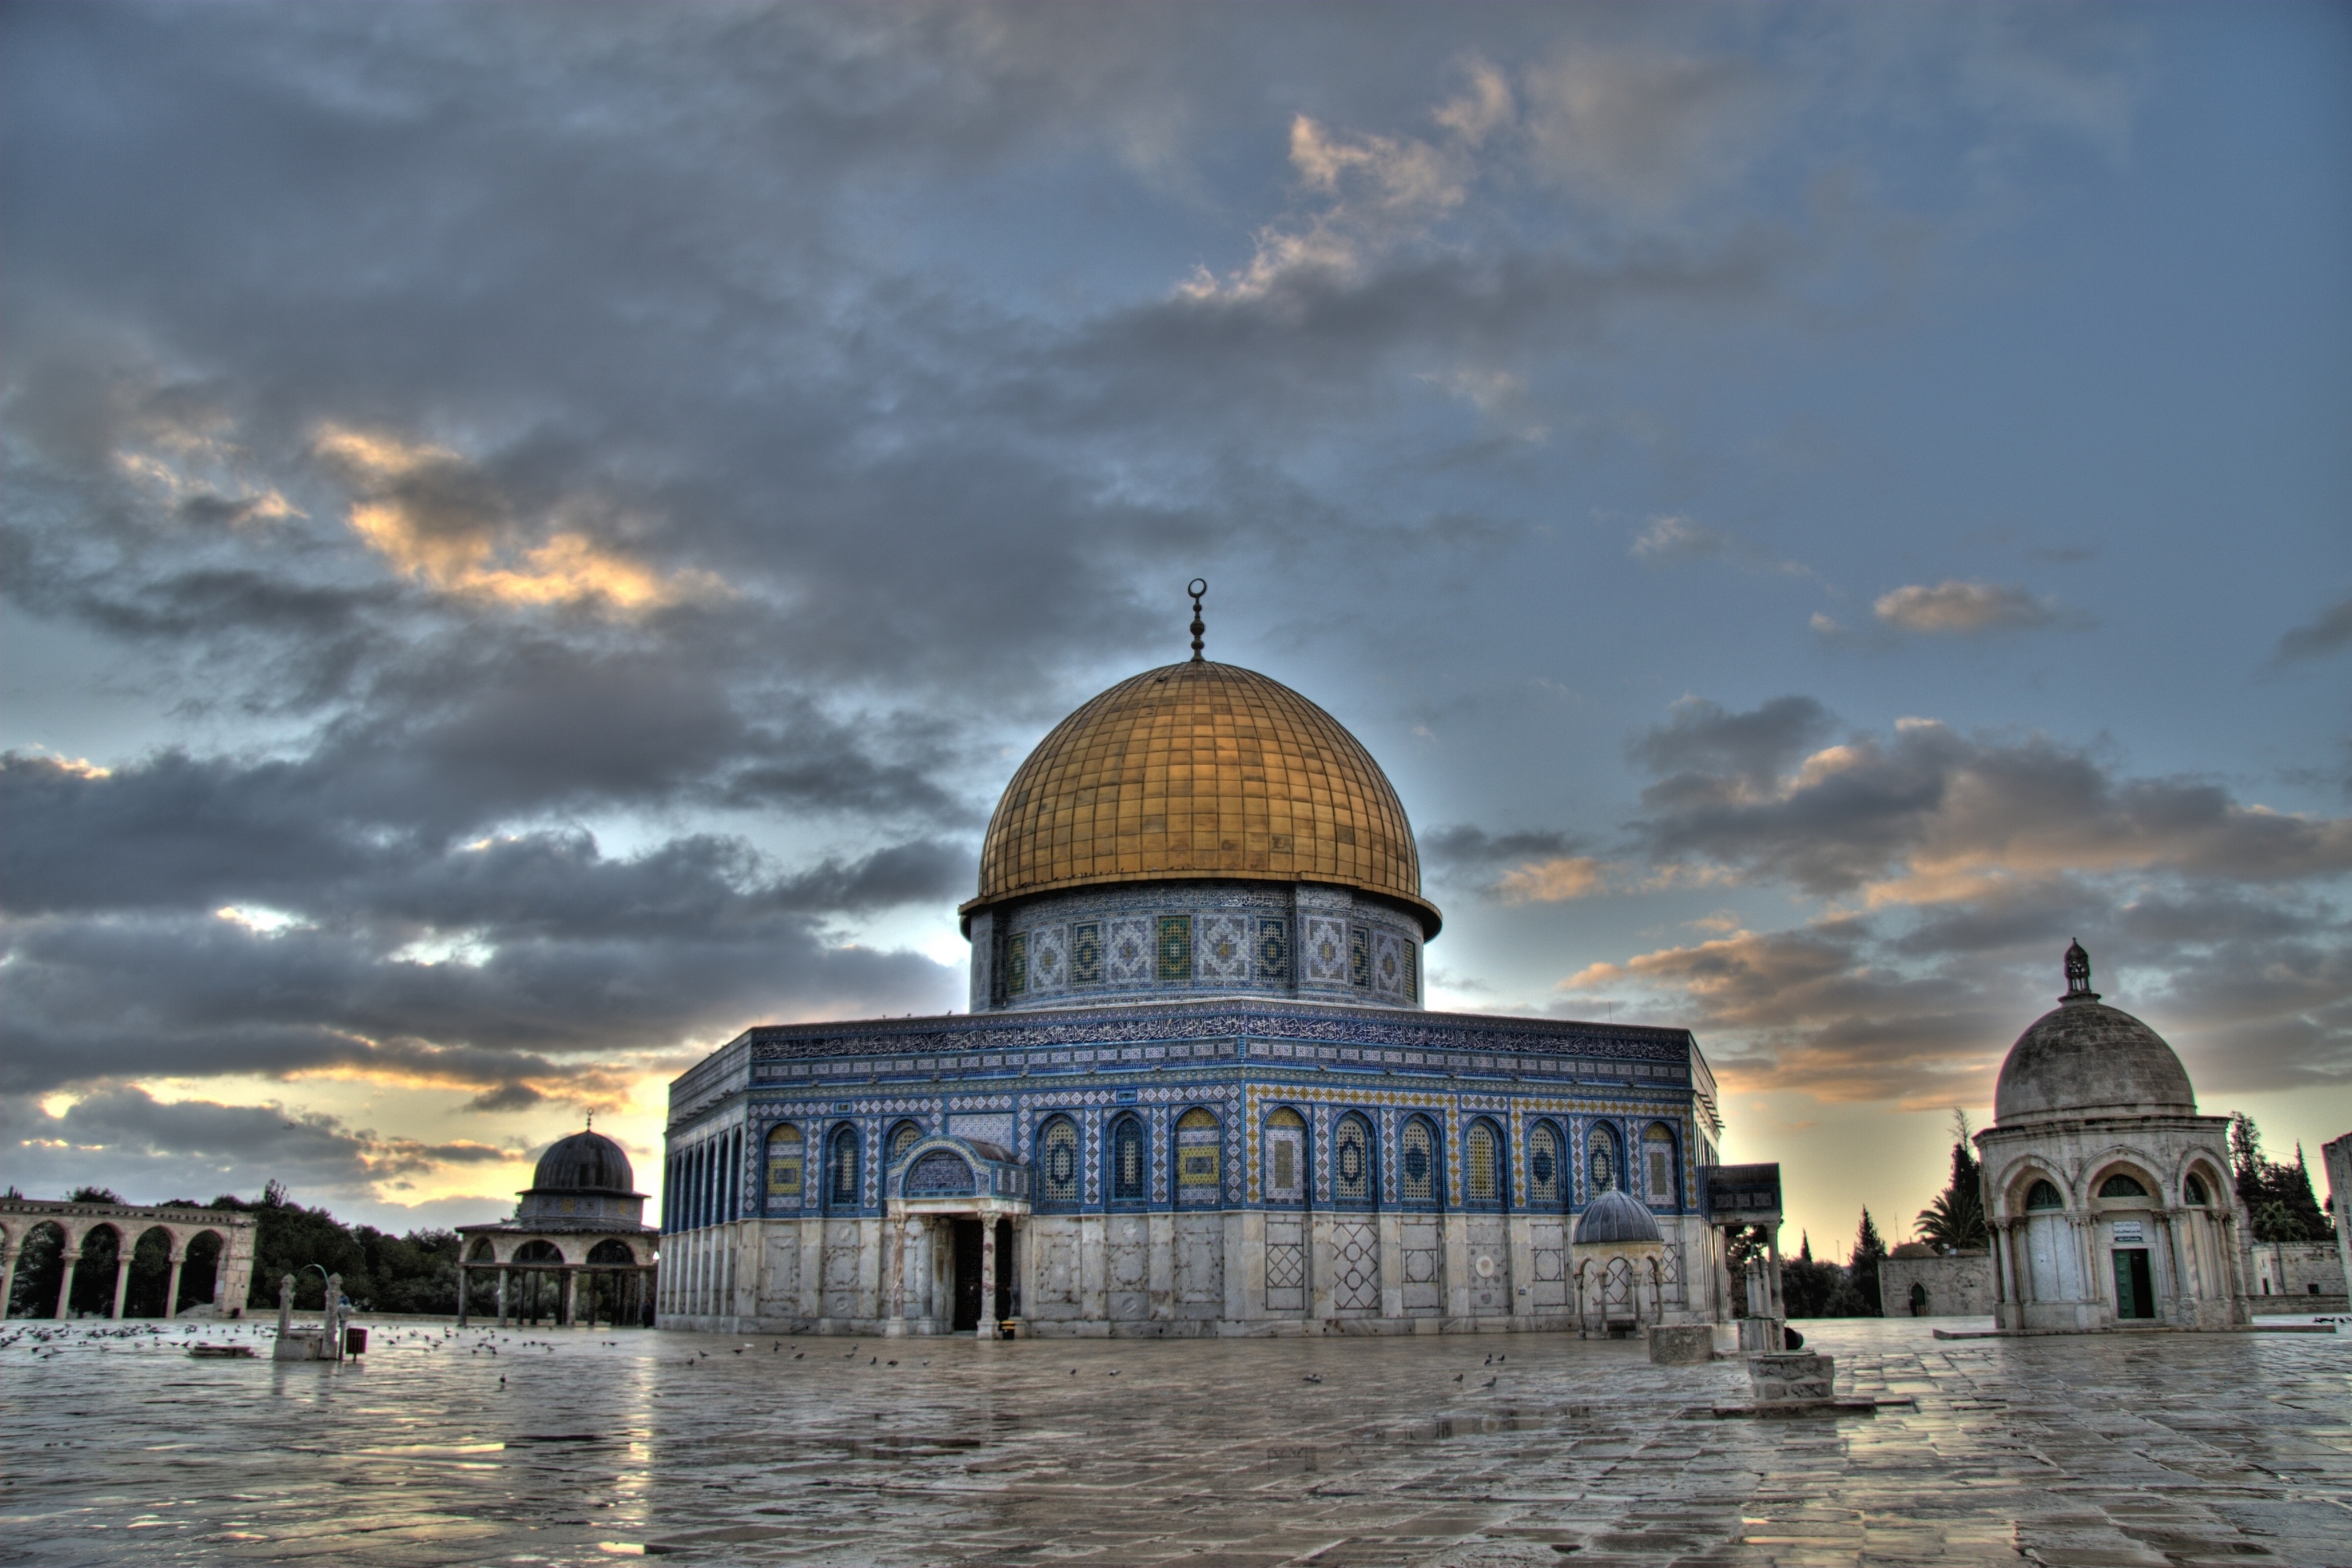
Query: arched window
(786,1154)
(1658,1160)
(2192,1192)
(1196,1157)
(841,1169)
(611,1251)
(1482,1164)
(1283,1174)
(2121,1186)
(1353,1178)
(1418,1175)
(1058,1161)
(1543,1166)
(1604,1162)
(903,1137)
(1126,1160)
(2043,1195)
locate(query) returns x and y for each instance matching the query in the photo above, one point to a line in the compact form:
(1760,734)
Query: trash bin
(354,1342)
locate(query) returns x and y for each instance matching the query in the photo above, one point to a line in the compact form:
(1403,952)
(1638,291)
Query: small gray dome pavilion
(2108,1197)
(1614,1219)
(580,1229)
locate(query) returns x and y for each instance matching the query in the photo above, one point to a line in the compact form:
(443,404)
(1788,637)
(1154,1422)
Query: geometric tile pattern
(1223,950)
(1326,951)
(1126,958)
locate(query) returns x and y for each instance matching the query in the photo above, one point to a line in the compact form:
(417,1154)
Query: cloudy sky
(533,535)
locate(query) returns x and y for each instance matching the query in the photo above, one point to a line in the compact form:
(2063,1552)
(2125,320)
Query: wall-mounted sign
(2128,1230)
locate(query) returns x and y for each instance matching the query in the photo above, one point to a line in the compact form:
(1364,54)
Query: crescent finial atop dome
(1196,587)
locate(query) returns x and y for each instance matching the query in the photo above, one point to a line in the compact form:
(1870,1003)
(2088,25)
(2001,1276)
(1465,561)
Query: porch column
(894,1259)
(7,1276)
(171,1286)
(987,1328)
(571,1305)
(461,1295)
(502,1298)
(65,1286)
(121,1284)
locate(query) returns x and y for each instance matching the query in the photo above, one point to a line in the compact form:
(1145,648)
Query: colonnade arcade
(561,1279)
(118,1260)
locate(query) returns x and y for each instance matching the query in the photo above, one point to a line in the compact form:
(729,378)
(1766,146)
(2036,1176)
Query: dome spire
(1196,587)
(2078,975)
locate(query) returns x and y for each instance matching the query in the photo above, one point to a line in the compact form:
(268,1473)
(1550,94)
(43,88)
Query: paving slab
(560,1446)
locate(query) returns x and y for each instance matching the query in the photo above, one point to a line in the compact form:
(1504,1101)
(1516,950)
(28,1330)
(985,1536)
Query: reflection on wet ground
(565,1447)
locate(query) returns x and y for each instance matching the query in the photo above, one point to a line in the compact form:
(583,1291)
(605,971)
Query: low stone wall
(1955,1285)
(2297,1277)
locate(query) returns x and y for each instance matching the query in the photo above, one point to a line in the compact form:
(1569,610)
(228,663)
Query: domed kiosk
(1198,1089)
(2108,1197)
(580,1222)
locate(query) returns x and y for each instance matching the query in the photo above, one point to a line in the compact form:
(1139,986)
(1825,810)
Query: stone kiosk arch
(954,1209)
(222,1236)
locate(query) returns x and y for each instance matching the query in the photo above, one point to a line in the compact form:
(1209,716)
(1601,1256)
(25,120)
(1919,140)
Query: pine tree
(1869,1247)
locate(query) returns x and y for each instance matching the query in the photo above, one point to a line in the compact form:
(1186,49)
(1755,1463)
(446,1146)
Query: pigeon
(1488,1384)
(739,1352)
(872,1359)
(797,1354)
(894,1364)
(1457,1378)
(1490,1359)
(1312,1378)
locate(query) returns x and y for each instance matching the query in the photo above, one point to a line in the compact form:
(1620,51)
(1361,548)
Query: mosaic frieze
(1223,951)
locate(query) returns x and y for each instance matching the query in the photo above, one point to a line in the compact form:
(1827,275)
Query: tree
(1954,1221)
(2278,1198)
(94,1196)
(1861,1273)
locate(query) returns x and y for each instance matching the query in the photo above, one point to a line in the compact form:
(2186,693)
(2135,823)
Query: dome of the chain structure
(1615,1217)
(1201,771)
(2084,1057)
(583,1162)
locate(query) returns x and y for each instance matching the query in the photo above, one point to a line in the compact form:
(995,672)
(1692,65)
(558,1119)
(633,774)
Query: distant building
(1916,1281)
(2108,1197)
(1198,1091)
(2335,1158)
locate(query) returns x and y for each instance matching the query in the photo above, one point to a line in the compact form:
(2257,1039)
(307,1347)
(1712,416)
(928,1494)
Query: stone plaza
(575,1447)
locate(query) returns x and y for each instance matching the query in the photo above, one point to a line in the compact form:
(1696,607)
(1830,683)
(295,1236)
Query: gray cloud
(2324,634)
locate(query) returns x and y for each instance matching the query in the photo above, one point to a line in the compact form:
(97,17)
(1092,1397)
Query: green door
(2134,1291)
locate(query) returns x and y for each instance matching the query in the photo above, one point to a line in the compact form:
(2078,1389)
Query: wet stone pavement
(570,1446)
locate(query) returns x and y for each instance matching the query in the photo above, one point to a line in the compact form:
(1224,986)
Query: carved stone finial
(1196,587)
(2078,975)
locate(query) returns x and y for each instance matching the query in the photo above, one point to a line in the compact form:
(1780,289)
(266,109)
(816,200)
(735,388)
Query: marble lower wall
(1169,1275)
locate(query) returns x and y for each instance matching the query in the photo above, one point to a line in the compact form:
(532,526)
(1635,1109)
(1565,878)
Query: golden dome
(1201,771)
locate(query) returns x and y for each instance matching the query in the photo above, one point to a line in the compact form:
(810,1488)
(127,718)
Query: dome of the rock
(1198,772)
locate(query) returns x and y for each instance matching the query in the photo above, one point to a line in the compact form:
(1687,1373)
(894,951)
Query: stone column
(1519,1240)
(1772,1277)
(65,1287)
(285,1305)
(8,1274)
(121,1283)
(462,1295)
(1453,1245)
(171,1288)
(987,1329)
(1391,1234)
(894,1269)
(569,1303)
(502,1298)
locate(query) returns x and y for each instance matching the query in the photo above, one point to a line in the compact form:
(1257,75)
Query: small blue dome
(1613,1216)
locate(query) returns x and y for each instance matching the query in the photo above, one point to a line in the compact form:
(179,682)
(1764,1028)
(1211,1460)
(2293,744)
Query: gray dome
(1613,1216)
(2085,1058)
(583,1162)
